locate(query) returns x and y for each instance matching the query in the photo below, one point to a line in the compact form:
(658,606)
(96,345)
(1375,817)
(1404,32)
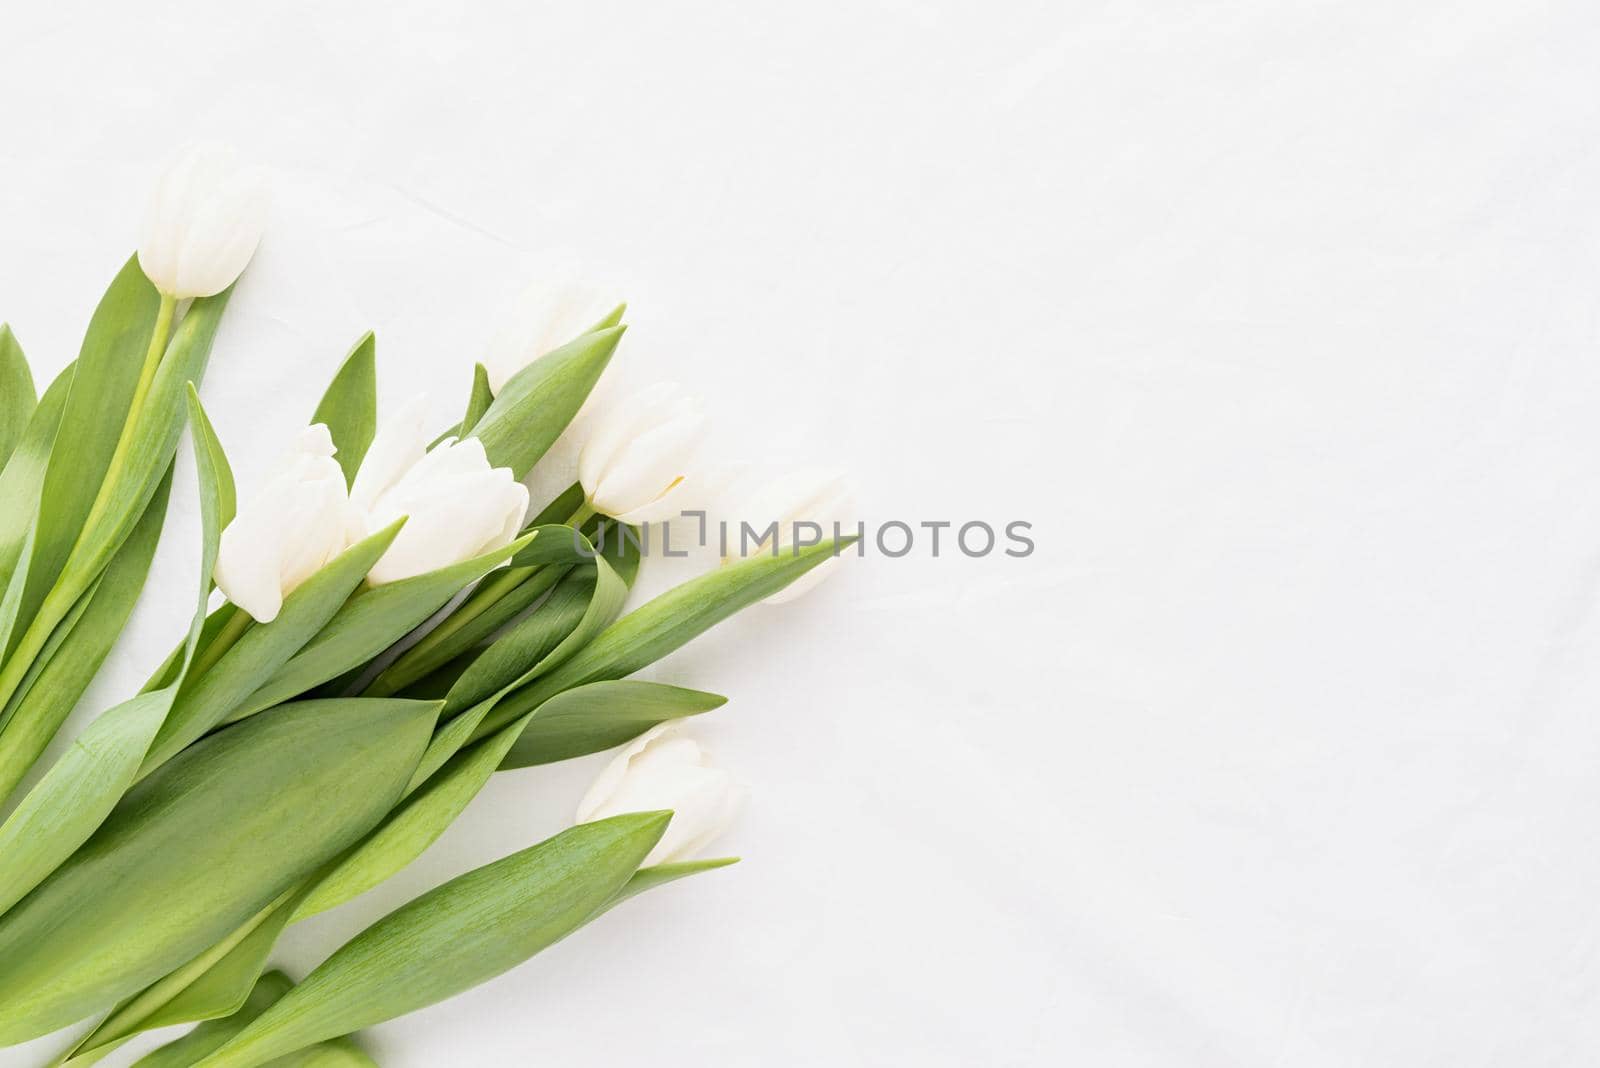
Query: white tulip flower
(286,532)
(641,453)
(804,505)
(203,223)
(547,316)
(457,505)
(665,768)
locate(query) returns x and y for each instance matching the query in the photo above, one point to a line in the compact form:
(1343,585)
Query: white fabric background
(1279,322)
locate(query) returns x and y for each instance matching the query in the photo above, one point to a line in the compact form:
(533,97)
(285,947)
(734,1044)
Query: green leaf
(127,491)
(265,648)
(349,409)
(536,405)
(662,874)
(335,1053)
(156,435)
(373,620)
(199,847)
(214,984)
(412,827)
(17,396)
(211,1035)
(665,624)
(454,937)
(478,403)
(601,716)
(81,788)
(22,481)
(103,384)
(63,670)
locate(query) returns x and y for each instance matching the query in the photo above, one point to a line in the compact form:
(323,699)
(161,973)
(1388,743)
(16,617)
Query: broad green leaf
(216,983)
(349,409)
(374,619)
(22,480)
(601,716)
(210,1035)
(81,788)
(478,403)
(667,623)
(17,396)
(199,847)
(412,827)
(453,938)
(127,490)
(103,384)
(265,648)
(66,666)
(536,405)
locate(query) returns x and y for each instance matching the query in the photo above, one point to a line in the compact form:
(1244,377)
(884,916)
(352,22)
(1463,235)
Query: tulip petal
(397,446)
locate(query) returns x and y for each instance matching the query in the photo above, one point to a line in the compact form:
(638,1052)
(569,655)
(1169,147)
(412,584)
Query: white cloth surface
(1279,321)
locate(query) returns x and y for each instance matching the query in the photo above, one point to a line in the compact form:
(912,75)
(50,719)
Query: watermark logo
(894,539)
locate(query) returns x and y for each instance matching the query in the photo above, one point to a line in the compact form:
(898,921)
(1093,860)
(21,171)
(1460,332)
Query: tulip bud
(641,452)
(547,316)
(203,223)
(287,531)
(801,506)
(665,768)
(458,506)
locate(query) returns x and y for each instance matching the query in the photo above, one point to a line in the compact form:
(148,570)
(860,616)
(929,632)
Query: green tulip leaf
(22,481)
(72,799)
(265,648)
(199,847)
(478,402)
(212,1034)
(104,381)
(453,938)
(536,405)
(193,1047)
(215,984)
(349,409)
(63,670)
(601,716)
(411,828)
(17,395)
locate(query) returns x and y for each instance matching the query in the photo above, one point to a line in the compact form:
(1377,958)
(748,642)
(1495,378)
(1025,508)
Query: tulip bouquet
(390,629)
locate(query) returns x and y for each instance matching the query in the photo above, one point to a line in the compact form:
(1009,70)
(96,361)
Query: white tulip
(547,316)
(640,460)
(457,505)
(203,223)
(807,496)
(287,531)
(665,768)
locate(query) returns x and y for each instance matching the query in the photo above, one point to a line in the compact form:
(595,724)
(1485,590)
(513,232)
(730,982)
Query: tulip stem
(582,515)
